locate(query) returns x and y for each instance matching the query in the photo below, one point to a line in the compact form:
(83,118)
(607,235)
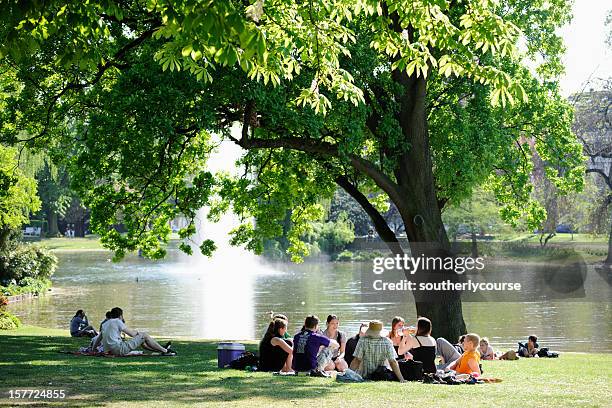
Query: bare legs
(287,367)
(151,344)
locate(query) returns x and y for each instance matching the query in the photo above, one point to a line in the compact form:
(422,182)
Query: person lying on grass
(110,336)
(469,360)
(486,351)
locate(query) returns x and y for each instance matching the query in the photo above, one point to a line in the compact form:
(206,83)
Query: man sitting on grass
(374,350)
(110,336)
(312,351)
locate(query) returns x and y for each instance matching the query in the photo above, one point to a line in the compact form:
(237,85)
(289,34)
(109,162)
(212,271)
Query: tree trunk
(420,209)
(474,246)
(608,261)
(5,233)
(52,220)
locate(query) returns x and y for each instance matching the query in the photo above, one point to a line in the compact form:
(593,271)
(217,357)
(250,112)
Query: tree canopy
(416,102)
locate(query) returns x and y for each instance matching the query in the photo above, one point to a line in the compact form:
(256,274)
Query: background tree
(344,203)
(55,194)
(431,101)
(477,216)
(593,126)
(17,196)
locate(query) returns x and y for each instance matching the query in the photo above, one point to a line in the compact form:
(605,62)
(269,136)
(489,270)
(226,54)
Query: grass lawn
(29,360)
(559,238)
(90,242)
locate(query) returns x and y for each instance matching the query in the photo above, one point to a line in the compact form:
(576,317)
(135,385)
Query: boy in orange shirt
(469,361)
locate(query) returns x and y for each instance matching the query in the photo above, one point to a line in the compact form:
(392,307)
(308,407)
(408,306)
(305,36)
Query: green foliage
(331,236)
(344,256)
(155,79)
(34,286)
(479,213)
(17,192)
(26,261)
(8,321)
(342,202)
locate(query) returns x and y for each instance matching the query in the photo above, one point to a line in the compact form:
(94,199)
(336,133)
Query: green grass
(559,238)
(29,360)
(90,242)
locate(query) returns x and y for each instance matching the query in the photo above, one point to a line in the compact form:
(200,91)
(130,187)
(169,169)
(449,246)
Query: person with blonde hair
(486,351)
(469,361)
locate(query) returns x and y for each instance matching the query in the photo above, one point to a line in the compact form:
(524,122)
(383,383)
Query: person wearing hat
(374,350)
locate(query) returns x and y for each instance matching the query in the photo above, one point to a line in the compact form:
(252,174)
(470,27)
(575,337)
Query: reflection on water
(181,297)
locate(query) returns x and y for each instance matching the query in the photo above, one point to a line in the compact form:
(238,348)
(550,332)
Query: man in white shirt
(110,336)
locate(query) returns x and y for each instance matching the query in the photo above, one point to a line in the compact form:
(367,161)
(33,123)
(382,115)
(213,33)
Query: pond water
(200,298)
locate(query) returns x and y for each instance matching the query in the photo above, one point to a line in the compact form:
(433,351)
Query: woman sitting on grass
(421,346)
(332,332)
(276,352)
(110,337)
(396,334)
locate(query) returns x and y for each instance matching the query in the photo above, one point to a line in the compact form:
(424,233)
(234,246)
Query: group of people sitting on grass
(319,351)
(110,337)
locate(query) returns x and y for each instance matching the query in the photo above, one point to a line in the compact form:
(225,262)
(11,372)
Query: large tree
(415,102)
(593,126)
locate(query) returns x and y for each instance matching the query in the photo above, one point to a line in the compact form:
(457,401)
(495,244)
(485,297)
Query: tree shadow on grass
(34,362)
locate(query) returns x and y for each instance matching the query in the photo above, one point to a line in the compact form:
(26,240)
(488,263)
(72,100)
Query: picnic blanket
(102,354)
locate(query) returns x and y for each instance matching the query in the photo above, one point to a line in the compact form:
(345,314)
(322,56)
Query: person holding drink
(419,345)
(397,336)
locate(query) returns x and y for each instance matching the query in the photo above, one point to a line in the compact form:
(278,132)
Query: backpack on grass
(411,370)
(545,352)
(245,360)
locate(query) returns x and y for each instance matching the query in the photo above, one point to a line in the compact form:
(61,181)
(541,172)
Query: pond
(201,298)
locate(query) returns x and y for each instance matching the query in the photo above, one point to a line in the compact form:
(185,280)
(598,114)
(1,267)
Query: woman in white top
(110,337)
(332,332)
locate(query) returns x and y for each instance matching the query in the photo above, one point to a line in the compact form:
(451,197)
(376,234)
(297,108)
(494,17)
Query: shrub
(8,321)
(27,285)
(27,261)
(35,286)
(345,255)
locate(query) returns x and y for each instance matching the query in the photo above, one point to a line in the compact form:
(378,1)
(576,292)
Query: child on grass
(469,360)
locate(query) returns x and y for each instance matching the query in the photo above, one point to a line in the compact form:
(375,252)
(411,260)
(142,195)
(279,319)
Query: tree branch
(381,226)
